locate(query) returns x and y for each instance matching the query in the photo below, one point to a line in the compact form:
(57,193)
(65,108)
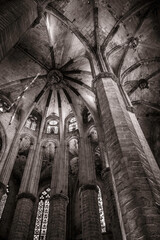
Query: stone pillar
(29,187)
(8,212)
(112,209)
(138,214)
(12,153)
(21,221)
(91,229)
(57,217)
(59,200)
(27,169)
(33,221)
(16,17)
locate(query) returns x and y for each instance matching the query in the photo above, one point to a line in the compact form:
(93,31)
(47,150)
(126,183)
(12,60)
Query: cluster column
(131,174)
(59,187)
(29,185)
(25,201)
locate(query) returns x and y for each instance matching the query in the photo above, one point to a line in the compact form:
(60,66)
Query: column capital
(26,195)
(89,187)
(58,196)
(105,75)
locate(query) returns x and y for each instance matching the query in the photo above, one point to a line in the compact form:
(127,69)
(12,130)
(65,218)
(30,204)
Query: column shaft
(91,229)
(22,217)
(136,206)
(57,217)
(112,209)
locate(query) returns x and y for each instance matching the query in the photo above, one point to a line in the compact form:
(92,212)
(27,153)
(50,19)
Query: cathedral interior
(79,120)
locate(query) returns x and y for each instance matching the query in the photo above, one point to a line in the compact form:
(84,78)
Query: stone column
(24,207)
(29,187)
(91,229)
(22,217)
(8,212)
(33,221)
(112,209)
(59,186)
(57,217)
(16,17)
(11,156)
(132,184)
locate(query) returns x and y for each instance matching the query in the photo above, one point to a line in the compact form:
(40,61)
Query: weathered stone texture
(21,220)
(57,217)
(126,159)
(91,229)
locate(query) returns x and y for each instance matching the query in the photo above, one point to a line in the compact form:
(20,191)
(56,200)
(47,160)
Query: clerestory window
(72,125)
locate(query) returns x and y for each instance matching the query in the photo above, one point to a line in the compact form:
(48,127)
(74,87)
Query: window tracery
(42,216)
(3,202)
(52,127)
(72,125)
(31,122)
(101,211)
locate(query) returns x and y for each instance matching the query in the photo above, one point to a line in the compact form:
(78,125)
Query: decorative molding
(88,187)
(26,195)
(58,196)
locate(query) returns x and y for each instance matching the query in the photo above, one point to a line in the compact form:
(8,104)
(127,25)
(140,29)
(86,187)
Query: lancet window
(31,122)
(101,211)
(52,127)
(72,125)
(3,202)
(42,216)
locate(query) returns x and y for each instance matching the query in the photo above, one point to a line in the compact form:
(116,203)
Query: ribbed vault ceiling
(127,34)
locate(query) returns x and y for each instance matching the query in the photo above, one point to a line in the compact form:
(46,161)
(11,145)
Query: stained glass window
(3,202)
(101,211)
(72,124)
(31,122)
(42,216)
(52,127)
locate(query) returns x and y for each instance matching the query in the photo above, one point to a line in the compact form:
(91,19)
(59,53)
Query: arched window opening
(4,105)
(52,127)
(31,122)
(42,216)
(3,202)
(72,125)
(101,211)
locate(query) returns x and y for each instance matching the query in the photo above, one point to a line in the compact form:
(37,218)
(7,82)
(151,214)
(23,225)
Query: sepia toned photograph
(79,119)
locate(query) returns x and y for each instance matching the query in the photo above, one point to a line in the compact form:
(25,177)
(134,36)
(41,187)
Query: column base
(22,217)
(57,217)
(91,229)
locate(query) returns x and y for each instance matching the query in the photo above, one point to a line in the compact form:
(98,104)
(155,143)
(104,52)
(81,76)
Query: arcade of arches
(79,120)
